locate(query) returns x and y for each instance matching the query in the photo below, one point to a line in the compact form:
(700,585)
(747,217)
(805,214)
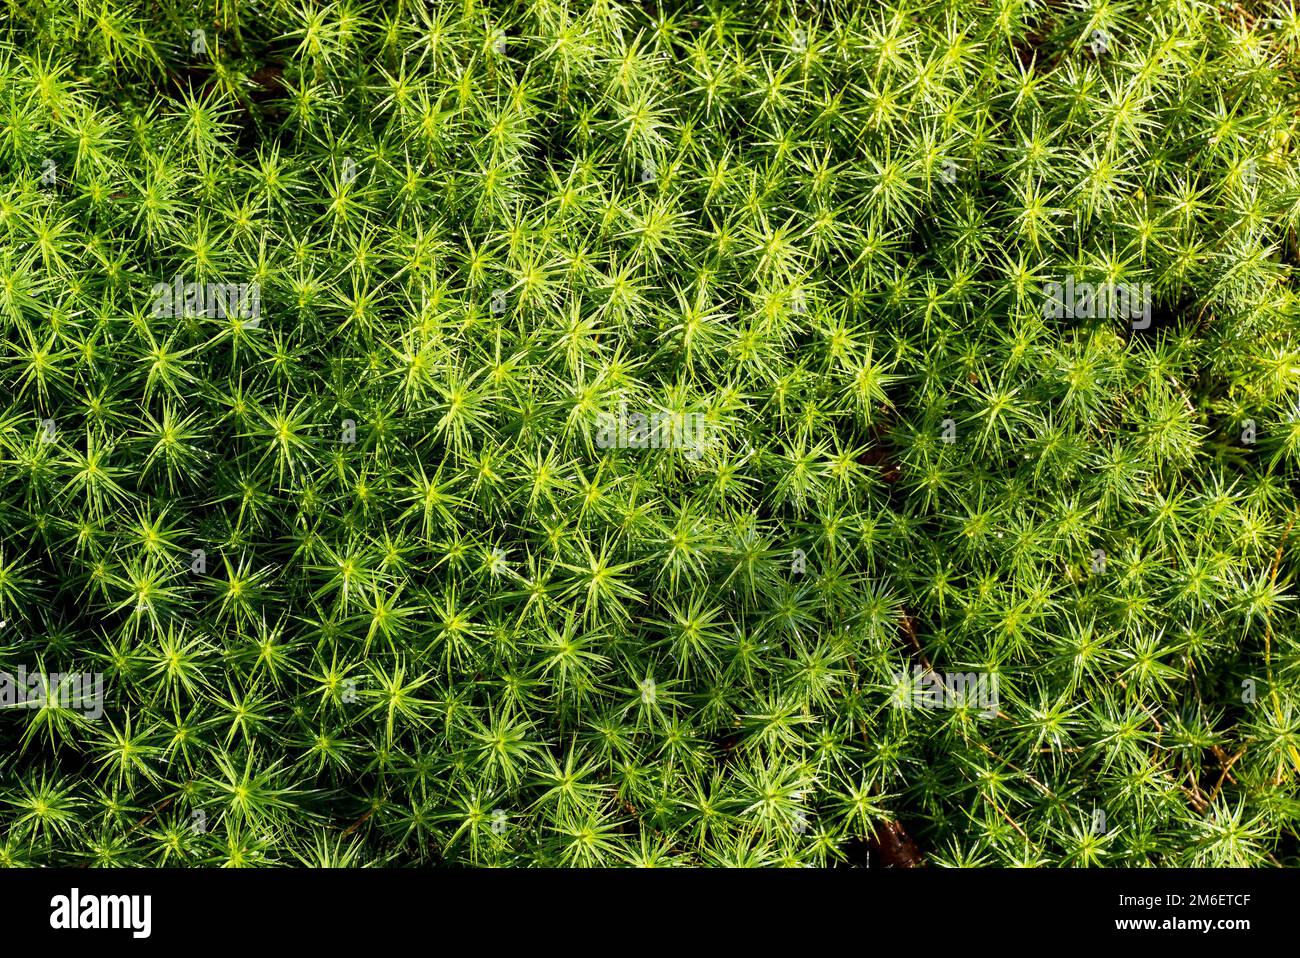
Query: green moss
(379,565)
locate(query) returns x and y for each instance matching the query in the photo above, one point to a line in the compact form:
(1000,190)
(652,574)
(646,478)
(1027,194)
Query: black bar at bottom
(365,908)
